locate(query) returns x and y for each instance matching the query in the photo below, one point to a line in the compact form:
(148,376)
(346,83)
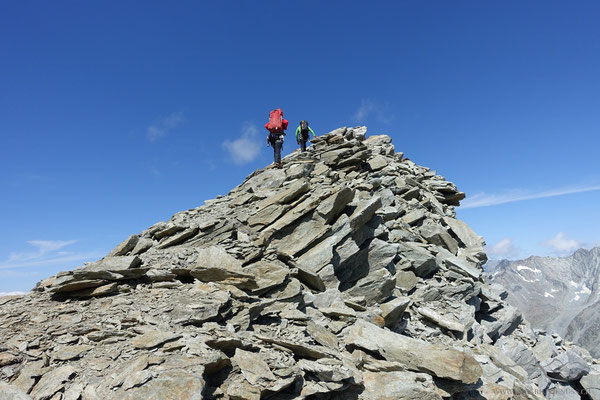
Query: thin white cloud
(43,248)
(49,252)
(370,108)
(503,249)
(246,148)
(163,126)
(12,293)
(511,196)
(562,244)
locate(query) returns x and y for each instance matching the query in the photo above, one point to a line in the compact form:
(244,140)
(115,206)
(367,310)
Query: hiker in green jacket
(302,134)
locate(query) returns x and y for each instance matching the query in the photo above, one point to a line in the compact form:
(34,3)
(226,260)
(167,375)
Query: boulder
(567,366)
(416,355)
(399,385)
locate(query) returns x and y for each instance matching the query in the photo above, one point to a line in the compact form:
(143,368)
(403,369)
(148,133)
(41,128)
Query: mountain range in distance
(556,294)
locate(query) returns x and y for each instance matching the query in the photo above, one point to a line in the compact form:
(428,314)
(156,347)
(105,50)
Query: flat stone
(302,350)
(52,382)
(267,275)
(398,385)
(464,233)
(8,359)
(175,384)
(440,320)
(10,392)
(502,322)
(29,375)
(137,378)
(305,234)
(254,369)
(375,287)
(168,230)
(413,217)
(406,280)
(422,261)
(127,266)
(290,194)
(214,264)
(104,290)
(378,162)
(417,355)
(153,339)
(330,208)
(463,267)
(322,335)
(125,246)
(179,238)
(364,212)
(567,366)
(435,234)
(66,353)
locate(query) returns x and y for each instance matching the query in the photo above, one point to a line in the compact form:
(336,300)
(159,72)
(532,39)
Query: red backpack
(275,121)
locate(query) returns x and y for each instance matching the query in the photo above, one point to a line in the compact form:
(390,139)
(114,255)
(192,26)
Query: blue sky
(115,115)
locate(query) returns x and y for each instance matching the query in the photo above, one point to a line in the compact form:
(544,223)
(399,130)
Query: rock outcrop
(343,275)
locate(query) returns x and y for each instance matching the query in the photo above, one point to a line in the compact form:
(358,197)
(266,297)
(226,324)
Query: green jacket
(298,132)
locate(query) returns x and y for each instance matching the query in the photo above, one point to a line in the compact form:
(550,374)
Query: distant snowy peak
(552,292)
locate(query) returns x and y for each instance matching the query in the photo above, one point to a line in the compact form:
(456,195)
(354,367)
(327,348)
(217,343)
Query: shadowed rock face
(343,275)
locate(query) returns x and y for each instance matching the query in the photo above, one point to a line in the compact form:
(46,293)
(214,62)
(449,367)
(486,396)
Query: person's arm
(311,131)
(297,132)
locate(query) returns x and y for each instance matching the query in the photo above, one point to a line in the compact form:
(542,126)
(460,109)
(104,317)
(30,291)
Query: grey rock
(392,311)
(567,367)
(9,392)
(416,355)
(414,217)
(267,275)
(463,267)
(254,369)
(422,261)
(376,287)
(399,385)
(561,391)
(179,238)
(322,335)
(364,212)
(334,204)
(443,321)
(65,353)
(125,247)
(153,339)
(502,322)
(464,233)
(214,264)
(591,383)
(435,234)
(406,280)
(52,382)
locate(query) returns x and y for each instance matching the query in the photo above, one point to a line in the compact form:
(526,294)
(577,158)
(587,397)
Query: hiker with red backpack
(302,135)
(276,127)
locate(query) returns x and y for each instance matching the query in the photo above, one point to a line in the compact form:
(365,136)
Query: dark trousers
(277,146)
(303,140)
(302,145)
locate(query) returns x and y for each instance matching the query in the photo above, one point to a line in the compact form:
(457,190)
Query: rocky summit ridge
(343,275)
